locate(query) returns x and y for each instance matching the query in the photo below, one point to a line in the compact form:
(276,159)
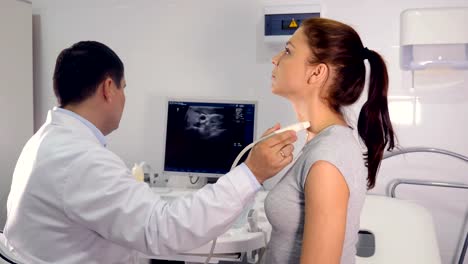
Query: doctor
(74,201)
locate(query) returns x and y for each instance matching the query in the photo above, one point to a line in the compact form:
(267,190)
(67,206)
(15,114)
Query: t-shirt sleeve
(331,150)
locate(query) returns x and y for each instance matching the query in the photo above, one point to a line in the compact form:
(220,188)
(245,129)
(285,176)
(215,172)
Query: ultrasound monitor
(203,137)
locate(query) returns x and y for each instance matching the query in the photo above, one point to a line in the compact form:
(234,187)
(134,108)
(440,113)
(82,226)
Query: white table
(230,246)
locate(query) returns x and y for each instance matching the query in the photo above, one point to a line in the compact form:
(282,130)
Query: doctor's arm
(107,200)
(326,202)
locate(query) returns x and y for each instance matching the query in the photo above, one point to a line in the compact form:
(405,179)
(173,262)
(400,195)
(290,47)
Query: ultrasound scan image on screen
(206,137)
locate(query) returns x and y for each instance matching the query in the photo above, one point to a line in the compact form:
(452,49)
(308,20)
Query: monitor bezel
(200,100)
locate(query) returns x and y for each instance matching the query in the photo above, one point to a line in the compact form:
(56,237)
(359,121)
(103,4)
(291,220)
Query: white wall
(16,93)
(214,49)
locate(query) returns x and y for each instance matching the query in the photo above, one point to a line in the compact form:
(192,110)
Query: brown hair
(338,45)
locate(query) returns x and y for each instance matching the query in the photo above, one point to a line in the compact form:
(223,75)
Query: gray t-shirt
(285,203)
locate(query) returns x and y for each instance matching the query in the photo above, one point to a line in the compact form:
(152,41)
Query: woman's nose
(275,59)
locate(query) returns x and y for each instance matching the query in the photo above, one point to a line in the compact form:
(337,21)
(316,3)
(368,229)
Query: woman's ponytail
(374,125)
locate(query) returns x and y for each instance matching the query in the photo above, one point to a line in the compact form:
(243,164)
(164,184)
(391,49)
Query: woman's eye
(287,51)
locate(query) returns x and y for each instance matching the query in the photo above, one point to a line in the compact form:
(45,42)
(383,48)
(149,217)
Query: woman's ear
(317,73)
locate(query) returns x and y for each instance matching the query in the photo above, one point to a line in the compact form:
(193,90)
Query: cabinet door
(16,89)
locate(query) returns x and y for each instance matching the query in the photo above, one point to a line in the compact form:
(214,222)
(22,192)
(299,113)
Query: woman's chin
(275,89)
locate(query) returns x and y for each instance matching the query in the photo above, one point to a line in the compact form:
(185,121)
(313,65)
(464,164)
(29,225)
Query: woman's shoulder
(333,139)
(336,145)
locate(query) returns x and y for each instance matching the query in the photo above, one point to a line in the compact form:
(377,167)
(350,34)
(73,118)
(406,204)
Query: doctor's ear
(317,73)
(107,89)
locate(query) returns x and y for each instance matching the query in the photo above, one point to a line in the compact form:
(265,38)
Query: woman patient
(315,208)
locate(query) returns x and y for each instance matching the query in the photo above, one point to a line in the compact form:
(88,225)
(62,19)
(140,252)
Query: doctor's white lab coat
(74,201)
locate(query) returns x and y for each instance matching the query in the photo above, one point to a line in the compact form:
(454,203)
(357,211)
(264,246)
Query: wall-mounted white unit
(281,21)
(434,37)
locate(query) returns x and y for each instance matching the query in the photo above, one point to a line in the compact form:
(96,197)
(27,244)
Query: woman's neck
(318,114)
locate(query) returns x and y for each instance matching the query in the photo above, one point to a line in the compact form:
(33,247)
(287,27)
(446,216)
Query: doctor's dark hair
(81,68)
(338,46)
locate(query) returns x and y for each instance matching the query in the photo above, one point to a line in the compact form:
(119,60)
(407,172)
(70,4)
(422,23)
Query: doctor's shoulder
(98,158)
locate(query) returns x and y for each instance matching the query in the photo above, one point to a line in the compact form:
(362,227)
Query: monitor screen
(204,137)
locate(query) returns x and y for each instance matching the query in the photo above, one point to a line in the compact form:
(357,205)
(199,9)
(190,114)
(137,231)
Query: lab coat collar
(60,116)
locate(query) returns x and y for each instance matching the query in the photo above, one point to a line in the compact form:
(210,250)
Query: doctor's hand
(271,155)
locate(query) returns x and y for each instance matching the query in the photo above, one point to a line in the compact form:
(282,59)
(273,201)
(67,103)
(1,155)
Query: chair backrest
(6,256)
(403,231)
